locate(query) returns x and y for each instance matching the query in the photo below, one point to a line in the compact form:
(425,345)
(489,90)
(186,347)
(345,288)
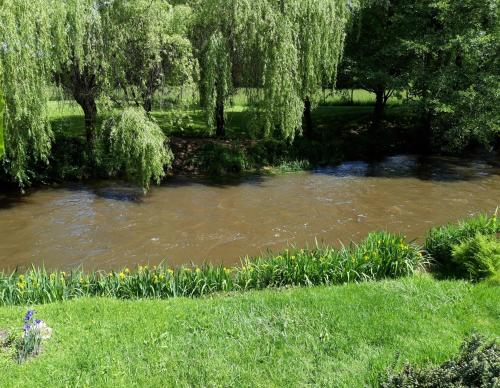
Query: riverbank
(341,336)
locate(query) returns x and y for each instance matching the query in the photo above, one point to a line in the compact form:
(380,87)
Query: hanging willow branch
(283,52)
(26,65)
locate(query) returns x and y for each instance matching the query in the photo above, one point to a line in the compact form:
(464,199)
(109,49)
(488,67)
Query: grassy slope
(338,336)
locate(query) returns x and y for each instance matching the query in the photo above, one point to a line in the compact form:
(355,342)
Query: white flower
(44,330)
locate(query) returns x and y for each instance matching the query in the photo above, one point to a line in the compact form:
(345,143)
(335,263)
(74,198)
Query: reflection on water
(108,225)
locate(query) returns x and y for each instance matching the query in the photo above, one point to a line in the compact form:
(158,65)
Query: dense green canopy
(91,48)
(108,55)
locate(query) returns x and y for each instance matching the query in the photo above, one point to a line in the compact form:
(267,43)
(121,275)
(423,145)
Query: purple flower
(27,327)
(28,315)
(38,321)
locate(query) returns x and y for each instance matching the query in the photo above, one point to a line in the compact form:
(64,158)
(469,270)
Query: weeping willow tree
(304,47)
(26,63)
(228,38)
(83,72)
(150,49)
(283,52)
(84,46)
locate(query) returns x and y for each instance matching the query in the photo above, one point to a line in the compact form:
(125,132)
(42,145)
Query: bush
(477,366)
(440,240)
(381,255)
(134,145)
(217,159)
(478,257)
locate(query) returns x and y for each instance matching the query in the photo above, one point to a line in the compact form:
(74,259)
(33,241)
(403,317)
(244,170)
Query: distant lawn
(329,116)
(340,336)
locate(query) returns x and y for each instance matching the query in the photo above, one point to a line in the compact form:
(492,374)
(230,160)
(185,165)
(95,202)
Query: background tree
(227,36)
(455,74)
(150,49)
(375,57)
(320,33)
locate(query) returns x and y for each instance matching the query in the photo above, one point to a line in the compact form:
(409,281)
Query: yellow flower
(155,279)
(21,278)
(293,257)
(21,285)
(122,276)
(227,270)
(141,268)
(162,277)
(127,271)
(52,276)
(170,271)
(198,270)
(366,258)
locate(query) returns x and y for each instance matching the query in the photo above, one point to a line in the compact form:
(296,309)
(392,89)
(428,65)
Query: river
(104,225)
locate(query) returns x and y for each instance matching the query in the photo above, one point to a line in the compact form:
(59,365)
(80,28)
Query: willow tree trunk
(220,124)
(89,108)
(148,103)
(307,124)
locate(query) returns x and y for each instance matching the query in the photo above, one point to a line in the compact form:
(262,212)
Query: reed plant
(379,256)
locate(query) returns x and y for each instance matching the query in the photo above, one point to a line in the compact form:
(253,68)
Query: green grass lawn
(332,114)
(335,336)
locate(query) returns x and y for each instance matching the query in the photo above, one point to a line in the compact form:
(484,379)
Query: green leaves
(137,147)
(281,52)
(26,63)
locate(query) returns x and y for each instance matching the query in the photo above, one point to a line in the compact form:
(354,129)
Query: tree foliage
(91,48)
(150,49)
(25,67)
(282,51)
(375,59)
(136,147)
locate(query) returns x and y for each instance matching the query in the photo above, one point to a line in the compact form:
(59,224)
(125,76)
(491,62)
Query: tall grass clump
(477,258)
(441,240)
(380,255)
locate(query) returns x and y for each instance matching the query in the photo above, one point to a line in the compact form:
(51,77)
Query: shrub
(478,365)
(381,255)
(216,159)
(440,240)
(478,257)
(134,145)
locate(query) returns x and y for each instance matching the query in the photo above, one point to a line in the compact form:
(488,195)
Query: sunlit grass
(341,336)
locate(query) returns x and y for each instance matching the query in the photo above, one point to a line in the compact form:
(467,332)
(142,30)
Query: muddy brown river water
(107,225)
